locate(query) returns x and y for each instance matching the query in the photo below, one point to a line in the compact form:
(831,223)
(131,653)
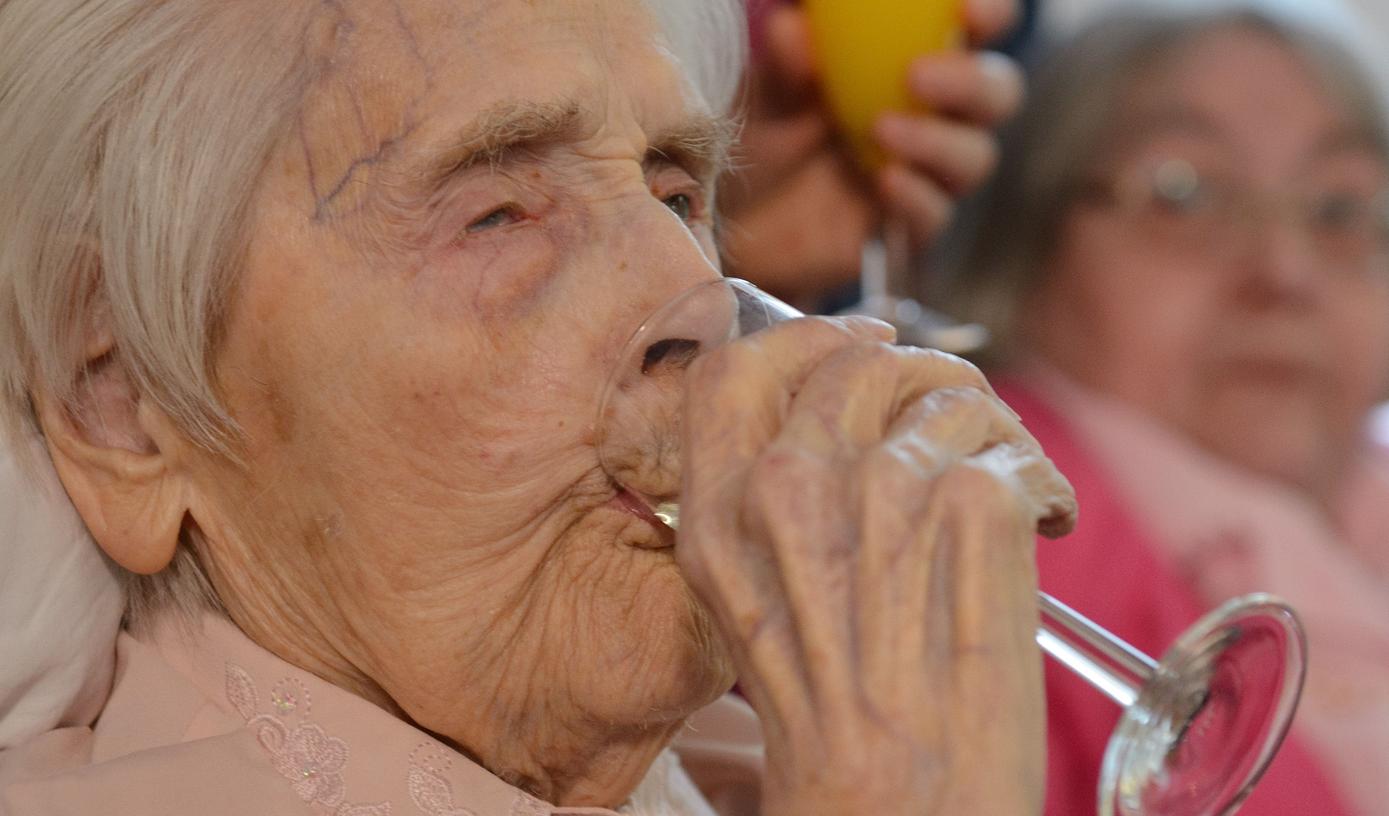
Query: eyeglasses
(1174,203)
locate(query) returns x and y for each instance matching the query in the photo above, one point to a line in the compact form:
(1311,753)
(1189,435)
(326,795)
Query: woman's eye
(499,217)
(681,204)
(1340,211)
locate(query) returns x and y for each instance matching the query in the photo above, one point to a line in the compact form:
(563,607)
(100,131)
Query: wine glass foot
(1210,720)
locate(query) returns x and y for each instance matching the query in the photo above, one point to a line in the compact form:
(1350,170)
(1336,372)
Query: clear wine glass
(1198,727)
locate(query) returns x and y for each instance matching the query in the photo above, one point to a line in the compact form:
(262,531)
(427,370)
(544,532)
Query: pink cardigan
(1113,569)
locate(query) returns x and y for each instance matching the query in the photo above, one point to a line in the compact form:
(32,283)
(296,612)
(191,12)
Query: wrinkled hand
(859,519)
(799,209)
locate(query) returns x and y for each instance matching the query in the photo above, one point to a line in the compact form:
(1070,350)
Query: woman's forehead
(1236,90)
(397,87)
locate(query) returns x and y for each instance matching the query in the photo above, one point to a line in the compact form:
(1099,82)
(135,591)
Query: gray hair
(131,136)
(995,257)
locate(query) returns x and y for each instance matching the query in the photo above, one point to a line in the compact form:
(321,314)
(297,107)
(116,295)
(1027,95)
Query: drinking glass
(863,49)
(1198,727)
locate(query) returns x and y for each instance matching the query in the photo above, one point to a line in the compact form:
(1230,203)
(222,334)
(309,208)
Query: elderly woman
(1185,258)
(312,304)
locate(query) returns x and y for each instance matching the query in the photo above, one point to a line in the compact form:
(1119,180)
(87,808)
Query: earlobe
(132,501)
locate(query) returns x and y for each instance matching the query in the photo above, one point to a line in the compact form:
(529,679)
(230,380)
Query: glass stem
(885,267)
(1103,660)
(873,295)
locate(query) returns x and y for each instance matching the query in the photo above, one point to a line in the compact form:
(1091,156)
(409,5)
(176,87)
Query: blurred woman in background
(1185,267)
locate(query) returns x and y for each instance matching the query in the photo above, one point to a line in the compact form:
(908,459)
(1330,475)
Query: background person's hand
(798,209)
(859,519)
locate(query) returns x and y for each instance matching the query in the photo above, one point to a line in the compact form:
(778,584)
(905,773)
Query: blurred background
(1179,247)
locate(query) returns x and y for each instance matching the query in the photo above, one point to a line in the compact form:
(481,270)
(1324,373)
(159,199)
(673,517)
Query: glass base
(1209,721)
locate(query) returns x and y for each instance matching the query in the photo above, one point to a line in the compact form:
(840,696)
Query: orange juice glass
(864,47)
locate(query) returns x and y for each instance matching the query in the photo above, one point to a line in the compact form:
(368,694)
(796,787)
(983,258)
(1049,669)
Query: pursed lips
(635,505)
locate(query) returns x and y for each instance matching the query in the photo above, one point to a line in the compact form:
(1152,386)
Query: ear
(117,455)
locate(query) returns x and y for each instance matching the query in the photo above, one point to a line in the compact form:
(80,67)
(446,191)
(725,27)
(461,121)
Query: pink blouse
(209,723)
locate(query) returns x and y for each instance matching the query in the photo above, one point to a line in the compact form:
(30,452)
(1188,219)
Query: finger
(988,20)
(922,204)
(741,592)
(934,433)
(846,402)
(892,575)
(948,425)
(983,564)
(851,397)
(1048,493)
(977,87)
(957,156)
(788,47)
(996,661)
(796,503)
(924,370)
(736,399)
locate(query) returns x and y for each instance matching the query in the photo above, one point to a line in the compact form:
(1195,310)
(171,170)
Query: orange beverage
(863,48)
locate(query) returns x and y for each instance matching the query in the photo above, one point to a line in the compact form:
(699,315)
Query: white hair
(709,39)
(132,134)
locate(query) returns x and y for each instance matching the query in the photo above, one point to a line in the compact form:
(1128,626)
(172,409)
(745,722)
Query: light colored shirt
(210,724)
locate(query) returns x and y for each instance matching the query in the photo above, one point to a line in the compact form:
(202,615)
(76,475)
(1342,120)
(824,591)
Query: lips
(632,504)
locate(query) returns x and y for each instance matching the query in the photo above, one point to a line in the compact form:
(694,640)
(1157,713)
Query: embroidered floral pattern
(314,762)
(429,790)
(527,805)
(301,752)
(290,694)
(309,758)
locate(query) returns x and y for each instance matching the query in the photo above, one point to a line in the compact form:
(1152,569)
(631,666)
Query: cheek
(493,277)
(1359,326)
(1142,319)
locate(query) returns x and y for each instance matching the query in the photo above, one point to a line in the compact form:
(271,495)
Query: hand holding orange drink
(905,84)
(864,48)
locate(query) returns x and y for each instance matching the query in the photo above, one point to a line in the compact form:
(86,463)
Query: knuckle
(874,354)
(778,476)
(949,369)
(955,398)
(969,483)
(892,470)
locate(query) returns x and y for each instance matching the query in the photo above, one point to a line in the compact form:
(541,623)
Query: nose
(658,250)
(671,311)
(1278,263)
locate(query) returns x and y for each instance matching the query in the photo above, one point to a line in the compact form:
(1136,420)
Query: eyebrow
(500,132)
(700,143)
(1144,125)
(1348,138)
(1344,137)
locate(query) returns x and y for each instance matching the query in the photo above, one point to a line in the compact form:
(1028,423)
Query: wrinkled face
(1216,283)
(479,205)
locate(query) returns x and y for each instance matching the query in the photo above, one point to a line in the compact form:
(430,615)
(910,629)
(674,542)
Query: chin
(657,654)
(1298,460)
(688,666)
